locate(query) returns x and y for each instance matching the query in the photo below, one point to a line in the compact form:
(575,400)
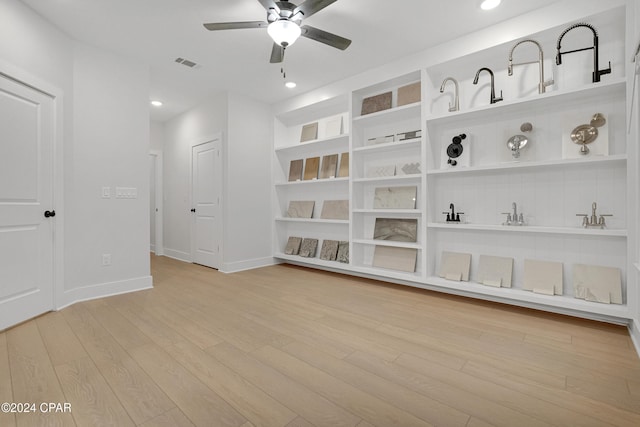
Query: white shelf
(391,243)
(539,101)
(558,301)
(324,144)
(312,261)
(390,179)
(387,273)
(530,229)
(536,164)
(389,146)
(314,220)
(391,115)
(314,182)
(389,211)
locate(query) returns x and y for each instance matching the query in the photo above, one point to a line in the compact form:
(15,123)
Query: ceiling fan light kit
(284,32)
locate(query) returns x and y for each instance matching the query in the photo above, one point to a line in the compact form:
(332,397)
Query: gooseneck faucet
(542,85)
(595,76)
(493,91)
(453,216)
(455,106)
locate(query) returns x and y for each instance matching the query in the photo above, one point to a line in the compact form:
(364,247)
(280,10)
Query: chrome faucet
(517,219)
(453,216)
(493,92)
(542,85)
(595,76)
(455,106)
(593,221)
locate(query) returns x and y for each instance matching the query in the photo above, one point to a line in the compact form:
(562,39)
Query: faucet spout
(595,76)
(493,99)
(455,106)
(542,84)
(515,210)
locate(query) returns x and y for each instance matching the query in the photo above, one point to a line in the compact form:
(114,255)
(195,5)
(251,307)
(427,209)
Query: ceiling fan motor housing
(286,13)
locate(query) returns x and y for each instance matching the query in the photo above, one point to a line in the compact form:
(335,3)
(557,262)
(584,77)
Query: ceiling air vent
(186,63)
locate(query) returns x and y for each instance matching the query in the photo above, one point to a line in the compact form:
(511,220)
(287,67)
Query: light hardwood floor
(288,346)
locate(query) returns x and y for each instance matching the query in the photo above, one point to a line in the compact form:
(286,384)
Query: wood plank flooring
(292,347)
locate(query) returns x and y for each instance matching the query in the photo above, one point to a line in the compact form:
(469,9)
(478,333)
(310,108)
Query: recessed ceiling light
(156,103)
(489,4)
(290,85)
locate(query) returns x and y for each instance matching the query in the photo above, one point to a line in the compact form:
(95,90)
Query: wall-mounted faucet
(593,221)
(542,85)
(493,91)
(595,76)
(455,106)
(516,219)
(453,216)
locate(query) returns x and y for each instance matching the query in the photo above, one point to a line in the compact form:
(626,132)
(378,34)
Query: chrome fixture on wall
(513,218)
(595,76)
(593,221)
(542,85)
(587,133)
(455,106)
(453,216)
(455,149)
(518,142)
(493,99)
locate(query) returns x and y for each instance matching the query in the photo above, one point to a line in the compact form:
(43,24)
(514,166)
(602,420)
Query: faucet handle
(585,219)
(497,99)
(508,221)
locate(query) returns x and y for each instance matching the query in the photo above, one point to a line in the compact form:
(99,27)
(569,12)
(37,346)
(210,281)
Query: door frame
(25,78)
(219,175)
(159,229)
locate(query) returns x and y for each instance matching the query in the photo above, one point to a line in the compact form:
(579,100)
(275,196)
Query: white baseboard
(634,331)
(102,290)
(179,255)
(234,267)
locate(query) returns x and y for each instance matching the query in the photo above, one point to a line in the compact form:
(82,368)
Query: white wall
(156,136)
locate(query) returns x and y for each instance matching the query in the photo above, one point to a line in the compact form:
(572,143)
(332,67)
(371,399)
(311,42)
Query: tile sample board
(311,167)
(395,197)
(411,168)
(455,266)
(329,251)
(402,259)
(343,172)
(542,277)
(333,127)
(376,103)
(300,208)
(293,246)
(335,209)
(295,170)
(343,252)
(309,132)
(308,248)
(409,94)
(396,229)
(495,271)
(381,171)
(329,166)
(597,283)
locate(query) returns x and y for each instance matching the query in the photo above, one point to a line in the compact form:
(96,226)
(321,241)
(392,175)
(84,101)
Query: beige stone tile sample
(308,248)
(381,171)
(542,277)
(395,197)
(293,246)
(376,103)
(597,283)
(309,132)
(335,209)
(300,208)
(329,166)
(402,259)
(495,271)
(409,94)
(329,251)
(295,170)
(455,266)
(343,172)
(311,167)
(343,252)
(396,229)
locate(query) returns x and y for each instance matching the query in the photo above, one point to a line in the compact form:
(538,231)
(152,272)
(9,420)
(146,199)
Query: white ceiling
(156,32)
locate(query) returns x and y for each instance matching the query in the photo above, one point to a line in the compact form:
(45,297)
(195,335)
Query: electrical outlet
(106,260)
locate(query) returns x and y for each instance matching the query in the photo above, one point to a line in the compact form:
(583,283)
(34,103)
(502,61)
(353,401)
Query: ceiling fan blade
(270,4)
(309,7)
(277,54)
(325,37)
(235,25)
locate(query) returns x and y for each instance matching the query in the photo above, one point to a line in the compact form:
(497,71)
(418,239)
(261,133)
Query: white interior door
(205,199)
(26,192)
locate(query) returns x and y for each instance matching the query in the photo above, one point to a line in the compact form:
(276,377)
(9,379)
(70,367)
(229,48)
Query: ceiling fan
(283,24)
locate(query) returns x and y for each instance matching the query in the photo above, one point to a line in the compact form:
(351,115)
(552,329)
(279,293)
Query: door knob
(193,210)
(48,214)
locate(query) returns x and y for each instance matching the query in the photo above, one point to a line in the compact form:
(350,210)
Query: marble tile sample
(402,259)
(333,127)
(309,132)
(329,251)
(403,136)
(335,209)
(376,103)
(455,266)
(329,166)
(343,172)
(409,94)
(295,170)
(343,252)
(381,171)
(396,229)
(495,271)
(380,140)
(542,277)
(395,197)
(293,246)
(308,248)
(311,167)
(597,283)
(412,168)
(300,208)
